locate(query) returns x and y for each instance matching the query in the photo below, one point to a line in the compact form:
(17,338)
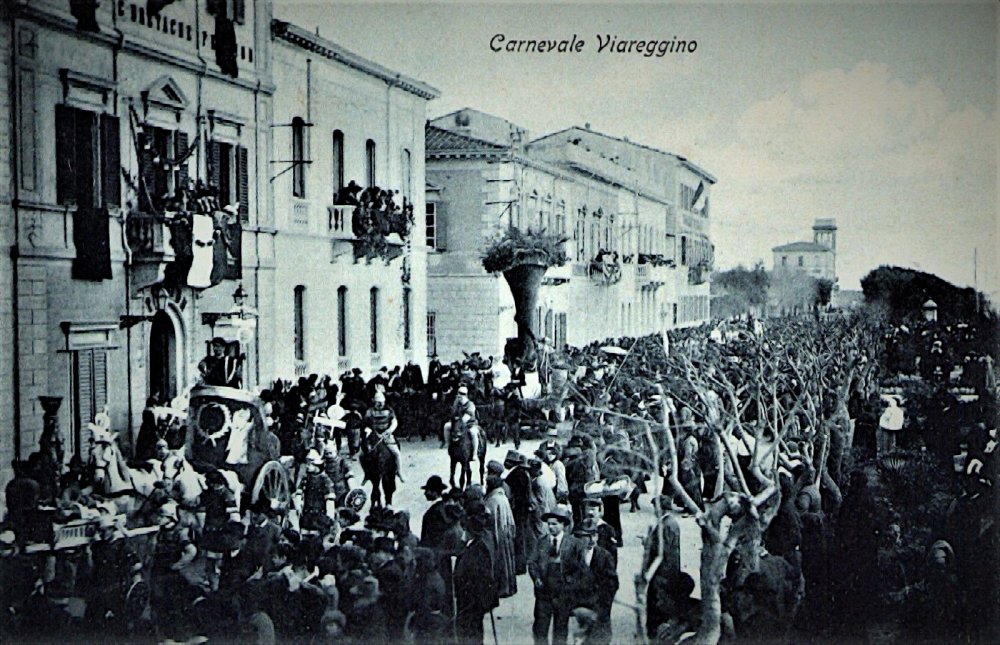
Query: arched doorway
(162,358)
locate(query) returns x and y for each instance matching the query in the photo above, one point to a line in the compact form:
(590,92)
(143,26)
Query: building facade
(818,258)
(341,119)
(631,248)
(114,110)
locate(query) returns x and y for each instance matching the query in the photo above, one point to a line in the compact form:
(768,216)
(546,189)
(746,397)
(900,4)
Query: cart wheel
(272,484)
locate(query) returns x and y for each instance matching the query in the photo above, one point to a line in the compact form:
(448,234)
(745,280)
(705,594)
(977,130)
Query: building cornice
(115,38)
(299,37)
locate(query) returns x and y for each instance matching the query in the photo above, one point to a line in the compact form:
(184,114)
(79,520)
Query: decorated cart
(228,431)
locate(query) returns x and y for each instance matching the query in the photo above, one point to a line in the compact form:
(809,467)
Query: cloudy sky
(883,116)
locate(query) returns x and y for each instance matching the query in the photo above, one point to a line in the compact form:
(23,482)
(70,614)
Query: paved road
(514,616)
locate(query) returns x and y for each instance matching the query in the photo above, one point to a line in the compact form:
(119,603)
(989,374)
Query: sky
(882,116)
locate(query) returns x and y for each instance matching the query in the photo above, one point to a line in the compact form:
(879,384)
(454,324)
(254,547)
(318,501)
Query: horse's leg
(451,478)
(376,493)
(389,484)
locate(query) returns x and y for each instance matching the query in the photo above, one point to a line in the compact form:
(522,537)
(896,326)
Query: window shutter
(441,228)
(147,170)
(180,152)
(100,379)
(242,174)
(110,161)
(65,154)
(84,412)
(214,163)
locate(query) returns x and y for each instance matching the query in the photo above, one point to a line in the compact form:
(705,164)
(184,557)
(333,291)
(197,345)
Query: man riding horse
(463,419)
(382,421)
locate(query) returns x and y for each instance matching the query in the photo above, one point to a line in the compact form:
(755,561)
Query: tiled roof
(440,141)
(802,246)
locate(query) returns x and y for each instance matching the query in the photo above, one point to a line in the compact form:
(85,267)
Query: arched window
(369,163)
(374,319)
(298,157)
(407,336)
(337,161)
(300,323)
(342,321)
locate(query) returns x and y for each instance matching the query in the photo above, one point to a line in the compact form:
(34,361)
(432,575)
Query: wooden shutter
(180,153)
(147,170)
(110,161)
(65,154)
(215,164)
(243,183)
(440,228)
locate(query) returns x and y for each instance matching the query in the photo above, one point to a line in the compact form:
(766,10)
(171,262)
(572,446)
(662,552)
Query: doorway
(162,359)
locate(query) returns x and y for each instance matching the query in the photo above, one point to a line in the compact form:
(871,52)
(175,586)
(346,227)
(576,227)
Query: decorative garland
(213,437)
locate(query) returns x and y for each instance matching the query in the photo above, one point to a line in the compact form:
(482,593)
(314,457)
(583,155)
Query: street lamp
(239,297)
(239,310)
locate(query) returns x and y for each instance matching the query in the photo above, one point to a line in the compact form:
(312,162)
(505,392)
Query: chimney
(586,126)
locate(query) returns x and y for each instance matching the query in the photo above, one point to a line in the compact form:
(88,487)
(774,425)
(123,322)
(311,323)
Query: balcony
(648,277)
(339,222)
(345,244)
(150,249)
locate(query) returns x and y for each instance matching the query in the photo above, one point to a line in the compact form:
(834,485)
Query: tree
(903,293)
(740,290)
(792,291)
(824,289)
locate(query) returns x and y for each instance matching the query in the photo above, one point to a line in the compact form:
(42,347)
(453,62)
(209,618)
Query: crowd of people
(780,419)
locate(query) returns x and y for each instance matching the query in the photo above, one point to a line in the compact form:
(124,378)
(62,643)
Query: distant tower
(825,232)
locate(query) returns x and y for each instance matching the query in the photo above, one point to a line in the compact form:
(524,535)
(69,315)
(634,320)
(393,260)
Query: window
(533,211)
(90,392)
(235,10)
(560,223)
(545,215)
(300,323)
(227,170)
(430,225)
(342,321)
(337,159)
(373,308)
(800,260)
(407,339)
(784,260)
(684,250)
(370,163)
(581,235)
(88,174)
(298,157)
(407,175)
(431,333)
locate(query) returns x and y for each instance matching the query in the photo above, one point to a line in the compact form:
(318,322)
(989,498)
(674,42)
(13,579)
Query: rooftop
(295,35)
(803,246)
(443,142)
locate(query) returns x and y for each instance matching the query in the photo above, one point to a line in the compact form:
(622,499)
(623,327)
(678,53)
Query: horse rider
(463,415)
(382,421)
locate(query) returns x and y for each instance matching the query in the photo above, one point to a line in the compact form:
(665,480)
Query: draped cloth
(504,532)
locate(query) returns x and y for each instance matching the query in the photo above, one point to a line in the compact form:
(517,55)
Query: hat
(586,527)
(218,340)
(515,458)
(560,514)
(463,389)
(314,458)
(591,501)
(536,467)
(435,484)
(356,371)
(494,467)
(379,396)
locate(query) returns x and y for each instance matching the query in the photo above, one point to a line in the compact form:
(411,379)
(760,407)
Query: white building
(113,107)
(340,118)
(817,258)
(603,193)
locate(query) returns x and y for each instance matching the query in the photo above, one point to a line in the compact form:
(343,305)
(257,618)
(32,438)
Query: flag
(700,197)
(666,343)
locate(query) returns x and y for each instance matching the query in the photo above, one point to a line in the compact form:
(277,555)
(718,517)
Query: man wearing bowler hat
(556,571)
(598,582)
(435,521)
(518,481)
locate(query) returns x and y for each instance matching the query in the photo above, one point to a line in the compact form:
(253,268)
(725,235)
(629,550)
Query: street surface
(514,616)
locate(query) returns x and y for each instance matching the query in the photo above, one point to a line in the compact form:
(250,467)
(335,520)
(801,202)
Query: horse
(379,466)
(460,452)
(112,477)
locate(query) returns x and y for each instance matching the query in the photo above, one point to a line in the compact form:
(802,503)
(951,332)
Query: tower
(825,232)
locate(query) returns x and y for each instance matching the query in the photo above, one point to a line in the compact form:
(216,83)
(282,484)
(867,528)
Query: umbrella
(611,349)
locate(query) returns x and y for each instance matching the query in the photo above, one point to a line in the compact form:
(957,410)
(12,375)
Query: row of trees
(757,291)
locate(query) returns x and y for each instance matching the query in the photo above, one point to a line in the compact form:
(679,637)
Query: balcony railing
(149,237)
(339,222)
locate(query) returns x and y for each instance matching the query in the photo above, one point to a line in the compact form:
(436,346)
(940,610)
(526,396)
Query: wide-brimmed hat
(434,484)
(515,458)
(561,514)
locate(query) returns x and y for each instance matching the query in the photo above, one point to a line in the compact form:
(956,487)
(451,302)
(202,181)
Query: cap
(494,467)
(463,390)
(379,396)
(586,527)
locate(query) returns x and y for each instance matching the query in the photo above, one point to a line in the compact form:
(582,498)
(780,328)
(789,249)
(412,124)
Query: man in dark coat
(435,521)
(518,480)
(598,585)
(475,585)
(556,572)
